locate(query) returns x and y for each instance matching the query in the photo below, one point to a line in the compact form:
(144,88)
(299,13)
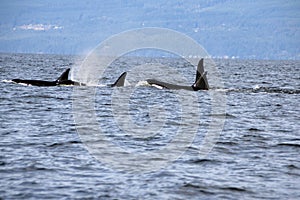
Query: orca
(199,84)
(64,80)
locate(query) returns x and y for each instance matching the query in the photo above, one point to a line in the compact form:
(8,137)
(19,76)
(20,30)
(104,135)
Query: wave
(261,89)
(289,144)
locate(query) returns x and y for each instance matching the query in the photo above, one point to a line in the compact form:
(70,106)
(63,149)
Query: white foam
(7,81)
(142,83)
(256,87)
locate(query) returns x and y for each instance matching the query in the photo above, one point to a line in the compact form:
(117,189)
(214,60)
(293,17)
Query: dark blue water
(44,156)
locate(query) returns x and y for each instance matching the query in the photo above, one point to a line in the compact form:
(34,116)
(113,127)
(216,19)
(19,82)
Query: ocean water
(151,143)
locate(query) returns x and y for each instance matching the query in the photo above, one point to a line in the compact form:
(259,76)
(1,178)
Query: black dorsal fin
(201,80)
(120,81)
(200,70)
(64,76)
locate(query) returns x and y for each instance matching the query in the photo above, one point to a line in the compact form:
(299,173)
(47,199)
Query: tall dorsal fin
(64,76)
(201,80)
(120,81)
(200,70)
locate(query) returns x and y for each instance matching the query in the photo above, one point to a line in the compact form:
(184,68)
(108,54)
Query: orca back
(35,82)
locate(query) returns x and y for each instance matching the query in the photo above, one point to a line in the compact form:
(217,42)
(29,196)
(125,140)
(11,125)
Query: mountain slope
(257,29)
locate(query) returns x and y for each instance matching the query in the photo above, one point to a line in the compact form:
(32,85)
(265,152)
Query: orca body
(199,84)
(35,82)
(64,80)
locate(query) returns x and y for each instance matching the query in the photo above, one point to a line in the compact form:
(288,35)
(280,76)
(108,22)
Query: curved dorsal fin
(200,70)
(120,81)
(201,80)
(64,76)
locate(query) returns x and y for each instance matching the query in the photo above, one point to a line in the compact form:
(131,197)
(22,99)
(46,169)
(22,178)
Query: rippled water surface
(256,155)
